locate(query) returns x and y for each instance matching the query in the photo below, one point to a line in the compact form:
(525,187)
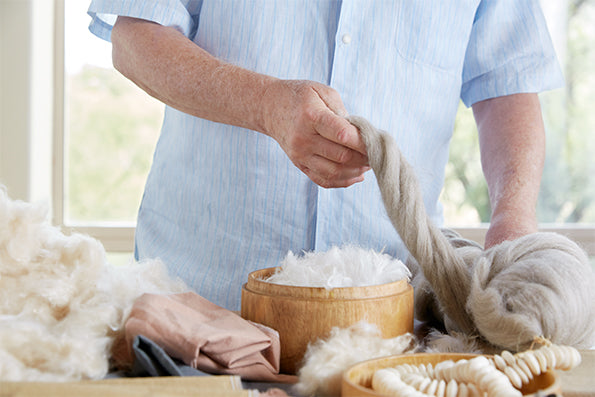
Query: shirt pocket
(435,33)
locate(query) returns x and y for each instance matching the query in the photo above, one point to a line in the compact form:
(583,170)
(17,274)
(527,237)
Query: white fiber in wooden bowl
(339,267)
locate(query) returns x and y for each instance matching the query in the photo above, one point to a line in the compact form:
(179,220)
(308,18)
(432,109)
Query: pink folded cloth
(206,336)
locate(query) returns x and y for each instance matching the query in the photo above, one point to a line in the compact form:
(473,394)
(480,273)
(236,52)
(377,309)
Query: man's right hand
(307,119)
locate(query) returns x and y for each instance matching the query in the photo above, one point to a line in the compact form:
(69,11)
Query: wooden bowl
(304,314)
(357,380)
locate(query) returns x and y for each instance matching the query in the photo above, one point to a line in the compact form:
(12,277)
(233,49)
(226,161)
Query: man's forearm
(168,66)
(304,117)
(512,143)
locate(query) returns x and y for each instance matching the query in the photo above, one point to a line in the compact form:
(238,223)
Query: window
(567,197)
(110,127)
(107,128)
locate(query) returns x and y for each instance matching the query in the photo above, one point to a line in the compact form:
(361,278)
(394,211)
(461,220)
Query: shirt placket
(343,65)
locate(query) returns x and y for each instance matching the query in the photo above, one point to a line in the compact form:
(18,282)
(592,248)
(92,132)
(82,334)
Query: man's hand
(307,119)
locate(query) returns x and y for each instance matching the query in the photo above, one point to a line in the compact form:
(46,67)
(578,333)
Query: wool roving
(347,266)
(327,359)
(538,285)
(62,305)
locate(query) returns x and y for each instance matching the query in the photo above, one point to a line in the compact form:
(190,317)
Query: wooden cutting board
(199,386)
(580,382)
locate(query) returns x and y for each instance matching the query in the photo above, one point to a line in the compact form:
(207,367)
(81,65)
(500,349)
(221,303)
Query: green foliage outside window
(112,131)
(568,185)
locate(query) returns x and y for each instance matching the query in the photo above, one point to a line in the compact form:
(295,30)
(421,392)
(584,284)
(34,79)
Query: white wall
(26,70)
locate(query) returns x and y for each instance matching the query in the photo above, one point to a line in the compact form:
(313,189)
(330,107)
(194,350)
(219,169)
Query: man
(255,156)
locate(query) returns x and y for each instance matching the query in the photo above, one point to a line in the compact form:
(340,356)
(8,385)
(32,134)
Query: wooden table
(580,382)
(195,386)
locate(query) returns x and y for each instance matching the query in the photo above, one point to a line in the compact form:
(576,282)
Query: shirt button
(346,38)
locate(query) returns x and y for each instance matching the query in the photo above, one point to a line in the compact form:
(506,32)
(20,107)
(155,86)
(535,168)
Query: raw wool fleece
(538,285)
(62,305)
(437,342)
(327,359)
(348,266)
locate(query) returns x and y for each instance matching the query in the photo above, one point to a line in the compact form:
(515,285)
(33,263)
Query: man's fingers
(338,153)
(331,183)
(329,174)
(339,130)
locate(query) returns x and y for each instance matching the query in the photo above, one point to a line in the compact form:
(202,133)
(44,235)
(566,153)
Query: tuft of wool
(326,359)
(538,285)
(454,342)
(62,305)
(347,266)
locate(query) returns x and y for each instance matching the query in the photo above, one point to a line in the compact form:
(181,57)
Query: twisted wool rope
(540,284)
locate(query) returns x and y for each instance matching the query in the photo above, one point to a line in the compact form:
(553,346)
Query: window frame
(120,238)
(114,237)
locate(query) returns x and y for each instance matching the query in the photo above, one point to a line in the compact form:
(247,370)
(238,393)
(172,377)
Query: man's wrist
(510,225)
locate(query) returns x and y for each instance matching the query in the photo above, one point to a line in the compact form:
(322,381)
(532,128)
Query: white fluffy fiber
(347,266)
(327,359)
(62,305)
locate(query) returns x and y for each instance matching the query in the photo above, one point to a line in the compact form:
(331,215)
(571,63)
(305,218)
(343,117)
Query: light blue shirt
(222,201)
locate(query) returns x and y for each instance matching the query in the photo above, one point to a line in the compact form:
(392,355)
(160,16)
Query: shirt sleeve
(175,13)
(510,51)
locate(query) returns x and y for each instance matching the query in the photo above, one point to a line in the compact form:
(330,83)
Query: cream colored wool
(538,285)
(62,305)
(437,342)
(327,359)
(347,266)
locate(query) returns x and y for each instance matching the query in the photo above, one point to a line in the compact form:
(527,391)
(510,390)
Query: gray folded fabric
(151,360)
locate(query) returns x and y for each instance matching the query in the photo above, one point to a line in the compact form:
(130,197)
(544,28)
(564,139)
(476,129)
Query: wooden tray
(357,379)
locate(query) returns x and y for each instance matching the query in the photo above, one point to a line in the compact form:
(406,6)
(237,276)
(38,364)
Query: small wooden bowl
(357,380)
(303,314)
